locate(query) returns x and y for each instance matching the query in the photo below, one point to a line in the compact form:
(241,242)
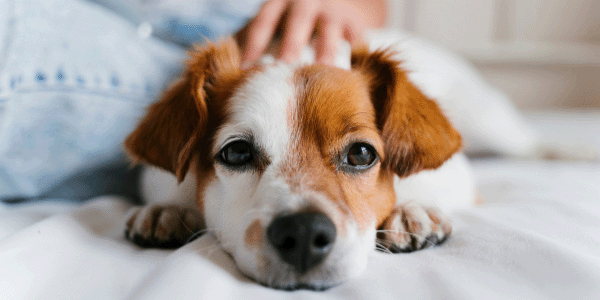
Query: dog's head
(294,163)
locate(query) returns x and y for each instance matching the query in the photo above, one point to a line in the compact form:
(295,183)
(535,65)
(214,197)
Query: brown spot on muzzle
(254,234)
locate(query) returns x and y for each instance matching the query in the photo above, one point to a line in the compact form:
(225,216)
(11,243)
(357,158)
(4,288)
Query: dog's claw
(165,227)
(412,227)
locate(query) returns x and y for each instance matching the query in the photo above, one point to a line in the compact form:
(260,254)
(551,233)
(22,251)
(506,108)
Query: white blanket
(536,237)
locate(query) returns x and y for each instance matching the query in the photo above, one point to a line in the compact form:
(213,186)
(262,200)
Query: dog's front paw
(162,226)
(412,227)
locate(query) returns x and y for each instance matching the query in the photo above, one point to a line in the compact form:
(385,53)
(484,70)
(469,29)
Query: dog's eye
(237,153)
(361,155)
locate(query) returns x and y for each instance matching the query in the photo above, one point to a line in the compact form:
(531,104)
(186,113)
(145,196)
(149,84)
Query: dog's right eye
(237,153)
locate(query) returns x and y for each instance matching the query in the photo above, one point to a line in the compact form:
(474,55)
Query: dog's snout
(302,240)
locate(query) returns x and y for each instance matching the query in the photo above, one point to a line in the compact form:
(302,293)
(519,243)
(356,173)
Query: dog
(299,170)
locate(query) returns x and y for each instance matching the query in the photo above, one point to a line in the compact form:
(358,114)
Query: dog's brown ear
(416,133)
(172,128)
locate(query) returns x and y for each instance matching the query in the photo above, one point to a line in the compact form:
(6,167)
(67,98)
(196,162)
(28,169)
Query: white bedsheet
(537,237)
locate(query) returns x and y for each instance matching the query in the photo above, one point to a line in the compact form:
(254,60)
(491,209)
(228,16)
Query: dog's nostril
(321,241)
(288,244)
(302,240)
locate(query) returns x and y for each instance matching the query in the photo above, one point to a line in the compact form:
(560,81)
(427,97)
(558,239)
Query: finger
(353,34)
(298,29)
(242,36)
(328,39)
(262,28)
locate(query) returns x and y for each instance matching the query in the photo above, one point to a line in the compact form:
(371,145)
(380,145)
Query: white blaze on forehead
(261,107)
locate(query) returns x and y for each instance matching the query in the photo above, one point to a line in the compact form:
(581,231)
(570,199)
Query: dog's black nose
(302,240)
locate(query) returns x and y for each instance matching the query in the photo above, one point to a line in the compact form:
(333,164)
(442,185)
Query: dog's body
(298,169)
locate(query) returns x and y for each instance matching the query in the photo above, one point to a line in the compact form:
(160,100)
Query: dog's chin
(281,276)
(293,281)
(302,286)
(292,285)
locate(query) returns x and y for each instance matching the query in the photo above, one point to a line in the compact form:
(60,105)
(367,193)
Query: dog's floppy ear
(416,133)
(172,128)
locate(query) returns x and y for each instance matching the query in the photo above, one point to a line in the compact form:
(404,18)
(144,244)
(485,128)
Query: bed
(536,236)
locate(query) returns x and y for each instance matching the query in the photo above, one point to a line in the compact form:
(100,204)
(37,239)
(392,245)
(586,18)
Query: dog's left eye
(236,153)
(361,155)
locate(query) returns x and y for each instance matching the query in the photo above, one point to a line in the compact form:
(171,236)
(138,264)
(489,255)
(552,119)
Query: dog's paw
(412,227)
(158,226)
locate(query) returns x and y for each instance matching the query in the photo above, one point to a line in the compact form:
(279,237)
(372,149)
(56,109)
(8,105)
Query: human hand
(329,21)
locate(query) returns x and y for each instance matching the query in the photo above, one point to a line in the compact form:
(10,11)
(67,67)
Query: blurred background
(545,54)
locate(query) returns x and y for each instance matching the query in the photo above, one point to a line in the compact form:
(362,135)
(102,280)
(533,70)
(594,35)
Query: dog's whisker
(211,251)
(213,247)
(382,247)
(198,233)
(207,247)
(193,237)
(183,222)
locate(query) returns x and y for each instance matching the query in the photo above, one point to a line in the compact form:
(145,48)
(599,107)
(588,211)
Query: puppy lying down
(298,170)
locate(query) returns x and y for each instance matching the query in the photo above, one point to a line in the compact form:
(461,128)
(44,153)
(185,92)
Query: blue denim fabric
(74,79)
(186,21)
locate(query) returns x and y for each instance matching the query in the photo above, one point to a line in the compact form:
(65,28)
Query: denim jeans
(186,21)
(75,77)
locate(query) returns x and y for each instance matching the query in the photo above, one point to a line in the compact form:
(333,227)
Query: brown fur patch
(189,112)
(417,135)
(434,216)
(182,124)
(254,234)
(202,180)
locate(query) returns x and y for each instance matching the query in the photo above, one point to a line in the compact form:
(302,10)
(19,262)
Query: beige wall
(543,53)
